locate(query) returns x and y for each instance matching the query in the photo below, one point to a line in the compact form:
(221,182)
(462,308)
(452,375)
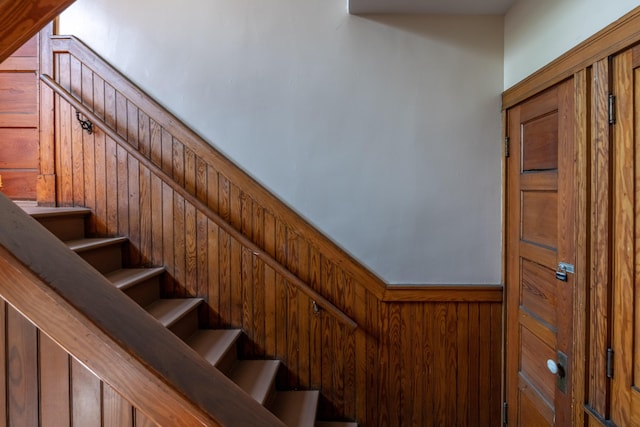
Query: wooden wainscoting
(419,355)
(43,382)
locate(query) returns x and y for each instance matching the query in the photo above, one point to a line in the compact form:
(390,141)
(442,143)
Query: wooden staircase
(180,315)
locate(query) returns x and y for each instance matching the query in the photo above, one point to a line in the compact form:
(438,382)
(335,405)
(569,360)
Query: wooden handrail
(93,321)
(208,212)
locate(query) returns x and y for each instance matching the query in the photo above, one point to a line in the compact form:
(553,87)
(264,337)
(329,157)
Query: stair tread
(127,277)
(256,377)
(81,245)
(46,212)
(169,311)
(335,424)
(296,408)
(212,344)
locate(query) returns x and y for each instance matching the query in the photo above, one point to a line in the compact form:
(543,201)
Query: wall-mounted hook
(86,124)
(316,308)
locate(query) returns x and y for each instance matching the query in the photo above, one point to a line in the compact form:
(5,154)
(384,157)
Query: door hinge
(612,109)
(505,412)
(507,141)
(609,363)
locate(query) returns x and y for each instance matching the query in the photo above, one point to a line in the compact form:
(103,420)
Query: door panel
(19,139)
(540,234)
(625,401)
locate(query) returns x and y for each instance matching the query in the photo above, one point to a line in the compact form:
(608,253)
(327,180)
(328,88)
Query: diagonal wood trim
(619,35)
(444,293)
(258,252)
(91,319)
(21,19)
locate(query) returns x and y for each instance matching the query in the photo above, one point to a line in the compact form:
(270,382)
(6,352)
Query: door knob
(558,368)
(555,368)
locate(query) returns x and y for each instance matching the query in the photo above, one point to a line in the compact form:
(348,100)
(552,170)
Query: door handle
(555,368)
(559,369)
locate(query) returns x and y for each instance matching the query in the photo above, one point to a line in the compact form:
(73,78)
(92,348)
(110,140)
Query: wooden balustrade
(107,332)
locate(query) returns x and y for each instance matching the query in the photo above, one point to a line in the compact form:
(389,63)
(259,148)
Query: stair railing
(92,320)
(319,302)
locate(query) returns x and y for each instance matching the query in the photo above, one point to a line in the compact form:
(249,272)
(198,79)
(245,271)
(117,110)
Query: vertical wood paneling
(259,289)
(22,370)
(179,246)
(167,258)
(375,364)
(3,360)
(134,209)
(141,420)
(86,396)
(304,311)
(54,384)
(414,363)
(213,278)
(122,180)
(247,300)
(270,310)
(117,411)
(236,283)
(111,187)
(281,326)
(48,388)
(292,335)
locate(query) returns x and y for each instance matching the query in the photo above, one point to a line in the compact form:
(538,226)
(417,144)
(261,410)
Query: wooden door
(19,139)
(540,234)
(625,398)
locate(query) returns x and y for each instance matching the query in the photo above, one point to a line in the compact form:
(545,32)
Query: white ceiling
(448,7)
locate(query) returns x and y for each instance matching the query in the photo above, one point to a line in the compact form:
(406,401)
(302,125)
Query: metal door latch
(559,368)
(563,269)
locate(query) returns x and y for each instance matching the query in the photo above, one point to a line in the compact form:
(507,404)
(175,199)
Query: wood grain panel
(21,19)
(601,226)
(537,294)
(3,359)
(55,380)
(398,368)
(19,148)
(19,184)
(19,94)
(539,213)
(22,369)
(540,144)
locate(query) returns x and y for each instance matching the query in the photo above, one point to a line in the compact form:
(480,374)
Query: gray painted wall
(537,32)
(383,131)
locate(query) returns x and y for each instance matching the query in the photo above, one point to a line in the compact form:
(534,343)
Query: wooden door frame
(582,180)
(46,184)
(580,63)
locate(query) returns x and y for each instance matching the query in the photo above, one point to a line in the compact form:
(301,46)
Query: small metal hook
(86,124)
(316,308)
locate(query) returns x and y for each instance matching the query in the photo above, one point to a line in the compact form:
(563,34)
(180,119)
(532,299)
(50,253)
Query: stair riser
(186,326)
(104,259)
(228,360)
(144,293)
(69,227)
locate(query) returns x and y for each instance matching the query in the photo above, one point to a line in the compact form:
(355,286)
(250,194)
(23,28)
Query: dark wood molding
(619,35)
(444,293)
(22,19)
